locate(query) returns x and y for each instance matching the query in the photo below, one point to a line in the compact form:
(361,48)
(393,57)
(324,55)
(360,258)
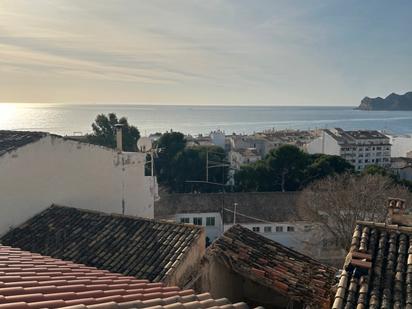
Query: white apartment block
(361,148)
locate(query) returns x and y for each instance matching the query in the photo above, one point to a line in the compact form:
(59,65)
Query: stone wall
(269,206)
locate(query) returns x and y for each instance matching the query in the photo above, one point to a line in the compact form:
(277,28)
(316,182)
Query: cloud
(233,51)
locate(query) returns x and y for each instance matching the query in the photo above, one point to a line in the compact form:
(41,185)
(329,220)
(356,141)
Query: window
(256,229)
(210,221)
(291,228)
(279,229)
(184,220)
(197,221)
(267,229)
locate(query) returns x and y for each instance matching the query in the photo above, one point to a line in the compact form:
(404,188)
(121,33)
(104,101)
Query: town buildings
(39,169)
(277,216)
(143,248)
(360,148)
(402,167)
(243,156)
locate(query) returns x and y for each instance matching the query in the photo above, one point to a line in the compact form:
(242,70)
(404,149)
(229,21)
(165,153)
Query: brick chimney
(396,212)
(119,136)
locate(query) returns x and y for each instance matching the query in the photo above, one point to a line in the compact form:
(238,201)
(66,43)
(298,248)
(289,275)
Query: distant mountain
(393,102)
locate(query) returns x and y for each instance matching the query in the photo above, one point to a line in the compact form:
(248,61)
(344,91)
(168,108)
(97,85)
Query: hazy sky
(204,51)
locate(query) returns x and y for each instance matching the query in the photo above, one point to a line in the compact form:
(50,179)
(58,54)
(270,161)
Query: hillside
(393,102)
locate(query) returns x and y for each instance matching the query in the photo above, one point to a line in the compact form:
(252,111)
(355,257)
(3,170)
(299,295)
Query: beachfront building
(361,148)
(402,167)
(39,169)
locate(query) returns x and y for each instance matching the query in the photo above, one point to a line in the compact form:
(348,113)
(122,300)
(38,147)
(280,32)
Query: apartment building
(361,148)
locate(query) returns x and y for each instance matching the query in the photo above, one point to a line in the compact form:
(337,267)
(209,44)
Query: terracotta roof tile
(275,266)
(132,246)
(377,270)
(11,140)
(129,292)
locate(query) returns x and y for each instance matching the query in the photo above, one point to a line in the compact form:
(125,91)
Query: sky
(228,52)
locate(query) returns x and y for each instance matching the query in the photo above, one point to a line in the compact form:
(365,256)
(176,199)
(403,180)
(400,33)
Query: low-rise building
(245,265)
(243,156)
(30,280)
(211,221)
(275,215)
(39,169)
(402,167)
(361,148)
(144,248)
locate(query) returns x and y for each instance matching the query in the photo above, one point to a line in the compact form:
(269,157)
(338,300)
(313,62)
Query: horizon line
(171,104)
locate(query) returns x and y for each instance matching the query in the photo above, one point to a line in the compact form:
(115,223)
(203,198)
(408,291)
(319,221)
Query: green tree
(190,165)
(288,169)
(322,166)
(170,144)
(253,177)
(287,165)
(104,132)
(375,170)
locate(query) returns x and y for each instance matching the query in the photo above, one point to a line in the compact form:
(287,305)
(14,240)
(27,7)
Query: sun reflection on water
(7,112)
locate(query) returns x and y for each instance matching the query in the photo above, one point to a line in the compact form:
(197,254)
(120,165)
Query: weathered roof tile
(93,295)
(143,248)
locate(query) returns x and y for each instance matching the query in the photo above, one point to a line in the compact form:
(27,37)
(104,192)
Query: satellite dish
(144,144)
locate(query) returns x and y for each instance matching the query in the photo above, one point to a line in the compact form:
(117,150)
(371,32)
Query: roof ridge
(114,215)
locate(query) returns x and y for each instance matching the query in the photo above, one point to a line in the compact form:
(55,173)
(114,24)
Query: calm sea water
(69,119)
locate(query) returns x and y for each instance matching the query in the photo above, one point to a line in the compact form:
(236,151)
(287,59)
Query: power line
(246,216)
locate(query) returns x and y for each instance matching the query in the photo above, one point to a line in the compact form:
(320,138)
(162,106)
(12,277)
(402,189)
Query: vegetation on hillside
(288,168)
(183,169)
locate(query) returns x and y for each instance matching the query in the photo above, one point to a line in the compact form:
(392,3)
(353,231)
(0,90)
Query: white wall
(55,170)
(212,232)
(296,239)
(325,144)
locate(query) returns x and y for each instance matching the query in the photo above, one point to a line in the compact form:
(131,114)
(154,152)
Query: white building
(211,221)
(402,167)
(360,148)
(218,138)
(239,157)
(40,169)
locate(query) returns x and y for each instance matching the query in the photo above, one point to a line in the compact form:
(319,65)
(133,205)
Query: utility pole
(234,213)
(207,165)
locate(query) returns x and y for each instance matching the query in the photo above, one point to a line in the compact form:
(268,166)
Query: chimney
(396,212)
(119,136)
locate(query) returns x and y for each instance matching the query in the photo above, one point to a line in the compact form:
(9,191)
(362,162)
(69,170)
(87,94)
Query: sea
(76,119)
(69,119)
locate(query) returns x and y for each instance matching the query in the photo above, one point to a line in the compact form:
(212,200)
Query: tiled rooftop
(11,140)
(277,267)
(147,249)
(29,280)
(378,268)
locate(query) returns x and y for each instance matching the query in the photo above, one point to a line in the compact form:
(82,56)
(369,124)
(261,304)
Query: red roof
(30,280)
